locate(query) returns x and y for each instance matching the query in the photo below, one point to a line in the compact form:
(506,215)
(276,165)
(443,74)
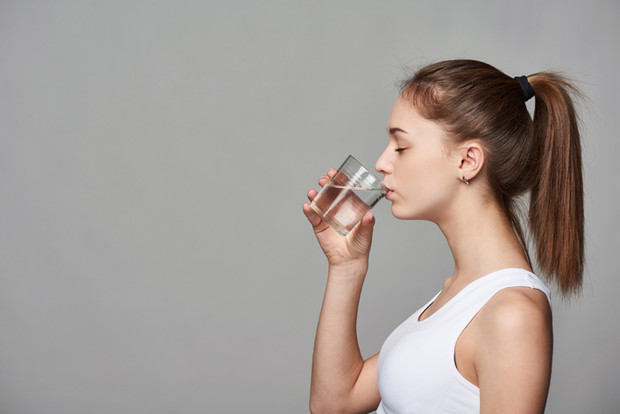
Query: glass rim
(351,157)
(353,170)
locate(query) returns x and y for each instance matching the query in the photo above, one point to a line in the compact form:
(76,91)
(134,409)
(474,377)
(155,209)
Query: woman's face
(420,171)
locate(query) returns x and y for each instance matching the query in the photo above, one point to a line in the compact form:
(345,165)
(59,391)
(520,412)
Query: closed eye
(400,149)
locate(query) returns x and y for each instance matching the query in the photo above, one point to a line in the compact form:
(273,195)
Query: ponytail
(556,215)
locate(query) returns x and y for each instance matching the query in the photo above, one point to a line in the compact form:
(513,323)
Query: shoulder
(516,313)
(515,328)
(513,307)
(514,343)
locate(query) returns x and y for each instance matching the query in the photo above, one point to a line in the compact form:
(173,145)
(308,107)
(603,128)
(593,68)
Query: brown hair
(542,156)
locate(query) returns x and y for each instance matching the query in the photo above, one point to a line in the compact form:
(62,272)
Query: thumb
(362,236)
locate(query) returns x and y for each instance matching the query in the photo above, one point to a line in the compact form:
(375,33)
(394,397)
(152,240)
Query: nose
(383,164)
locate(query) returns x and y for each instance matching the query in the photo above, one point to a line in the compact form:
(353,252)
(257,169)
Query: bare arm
(342,382)
(513,359)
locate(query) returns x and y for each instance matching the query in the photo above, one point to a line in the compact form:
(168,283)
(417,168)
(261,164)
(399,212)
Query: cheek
(426,188)
(424,176)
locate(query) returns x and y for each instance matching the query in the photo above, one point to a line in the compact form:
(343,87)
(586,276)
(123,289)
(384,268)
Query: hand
(339,250)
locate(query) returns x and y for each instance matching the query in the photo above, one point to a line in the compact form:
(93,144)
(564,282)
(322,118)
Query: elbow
(323,407)
(313,407)
(317,406)
(320,406)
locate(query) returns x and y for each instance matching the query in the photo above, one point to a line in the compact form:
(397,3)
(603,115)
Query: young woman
(462,149)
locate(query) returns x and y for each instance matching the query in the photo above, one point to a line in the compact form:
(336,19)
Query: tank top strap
(479,292)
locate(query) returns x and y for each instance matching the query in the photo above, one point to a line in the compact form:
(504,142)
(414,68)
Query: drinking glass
(344,200)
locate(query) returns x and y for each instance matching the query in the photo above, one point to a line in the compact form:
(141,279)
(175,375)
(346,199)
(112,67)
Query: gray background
(155,154)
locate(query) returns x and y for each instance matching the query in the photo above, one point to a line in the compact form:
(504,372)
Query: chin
(400,214)
(403,214)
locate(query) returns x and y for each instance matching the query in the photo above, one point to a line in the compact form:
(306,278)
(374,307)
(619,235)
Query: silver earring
(465,180)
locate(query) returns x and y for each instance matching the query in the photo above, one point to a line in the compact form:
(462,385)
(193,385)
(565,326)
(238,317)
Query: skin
(506,349)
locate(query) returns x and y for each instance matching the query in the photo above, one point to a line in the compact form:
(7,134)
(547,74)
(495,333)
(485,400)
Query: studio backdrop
(154,257)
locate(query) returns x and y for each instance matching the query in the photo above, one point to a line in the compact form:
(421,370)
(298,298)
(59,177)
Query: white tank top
(416,369)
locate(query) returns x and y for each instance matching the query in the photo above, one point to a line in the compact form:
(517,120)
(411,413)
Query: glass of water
(343,201)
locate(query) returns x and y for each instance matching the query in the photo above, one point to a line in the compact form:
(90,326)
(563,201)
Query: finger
(311,194)
(326,178)
(368,220)
(323,180)
(362,234)
(312,217)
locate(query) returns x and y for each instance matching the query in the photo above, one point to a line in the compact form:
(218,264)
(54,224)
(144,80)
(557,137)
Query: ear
(471,160)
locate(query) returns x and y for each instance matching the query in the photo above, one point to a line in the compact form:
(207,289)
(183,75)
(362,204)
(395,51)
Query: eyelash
(400,149)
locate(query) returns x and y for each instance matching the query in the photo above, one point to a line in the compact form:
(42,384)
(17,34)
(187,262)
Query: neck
(481,239)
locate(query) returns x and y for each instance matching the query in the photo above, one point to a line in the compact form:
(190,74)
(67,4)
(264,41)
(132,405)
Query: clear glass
(344,200)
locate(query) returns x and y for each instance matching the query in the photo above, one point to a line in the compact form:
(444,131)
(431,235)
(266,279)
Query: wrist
(350,268)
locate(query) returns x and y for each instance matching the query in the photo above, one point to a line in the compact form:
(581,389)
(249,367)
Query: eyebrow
(393,130)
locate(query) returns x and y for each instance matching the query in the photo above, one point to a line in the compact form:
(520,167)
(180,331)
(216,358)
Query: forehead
(405,116)
(402,110)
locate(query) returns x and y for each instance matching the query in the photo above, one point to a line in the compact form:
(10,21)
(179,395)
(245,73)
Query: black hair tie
(528,91)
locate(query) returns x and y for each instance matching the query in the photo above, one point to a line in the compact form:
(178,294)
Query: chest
(417,368)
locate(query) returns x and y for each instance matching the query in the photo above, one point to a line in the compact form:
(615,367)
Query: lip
(388,191)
